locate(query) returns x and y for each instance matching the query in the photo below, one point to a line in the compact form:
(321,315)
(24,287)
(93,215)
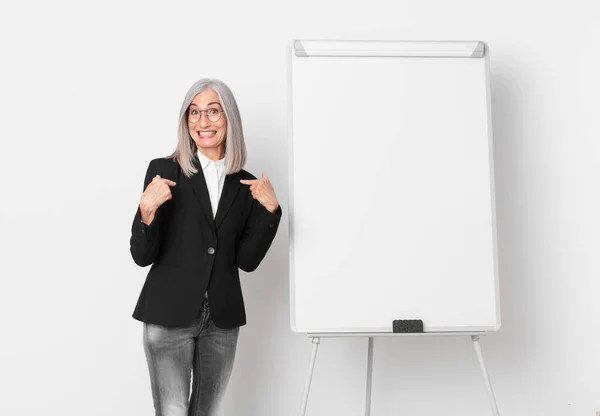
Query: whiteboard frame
(386,48)
(373,48)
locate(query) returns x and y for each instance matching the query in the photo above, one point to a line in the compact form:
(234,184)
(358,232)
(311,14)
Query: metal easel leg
(369,377)
(486,378)
(311,367)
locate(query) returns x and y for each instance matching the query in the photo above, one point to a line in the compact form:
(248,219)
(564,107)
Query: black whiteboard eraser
(407,326)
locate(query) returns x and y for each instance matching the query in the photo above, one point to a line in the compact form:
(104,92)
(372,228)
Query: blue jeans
(200,349)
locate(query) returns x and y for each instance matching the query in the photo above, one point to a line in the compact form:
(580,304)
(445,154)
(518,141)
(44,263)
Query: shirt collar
(204,161)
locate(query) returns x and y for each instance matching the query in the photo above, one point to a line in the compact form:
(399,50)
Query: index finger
(248,181)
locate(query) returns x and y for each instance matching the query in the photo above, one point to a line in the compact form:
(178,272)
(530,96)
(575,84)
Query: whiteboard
(391,203)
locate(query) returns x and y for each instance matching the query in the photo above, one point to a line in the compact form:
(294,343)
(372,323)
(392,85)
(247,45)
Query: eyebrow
(214,102)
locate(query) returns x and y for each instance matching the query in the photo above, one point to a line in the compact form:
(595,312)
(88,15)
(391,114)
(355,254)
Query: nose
(204,122)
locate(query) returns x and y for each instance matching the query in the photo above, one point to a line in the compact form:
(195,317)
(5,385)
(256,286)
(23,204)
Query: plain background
(90,92)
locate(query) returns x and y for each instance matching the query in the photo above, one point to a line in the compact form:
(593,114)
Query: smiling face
(209,136)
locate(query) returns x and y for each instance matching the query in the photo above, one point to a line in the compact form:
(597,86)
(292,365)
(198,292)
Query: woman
(200,218)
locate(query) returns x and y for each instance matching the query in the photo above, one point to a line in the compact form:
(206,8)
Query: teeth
(210,133)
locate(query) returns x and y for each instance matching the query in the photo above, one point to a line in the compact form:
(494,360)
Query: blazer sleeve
(259,232)
(144,241)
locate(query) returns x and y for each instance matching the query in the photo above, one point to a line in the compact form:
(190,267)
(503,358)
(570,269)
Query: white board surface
(391,187)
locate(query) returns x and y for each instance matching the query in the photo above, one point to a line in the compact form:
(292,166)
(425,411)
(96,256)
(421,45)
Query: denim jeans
(201,350)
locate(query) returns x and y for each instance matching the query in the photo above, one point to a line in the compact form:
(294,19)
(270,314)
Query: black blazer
(191,253)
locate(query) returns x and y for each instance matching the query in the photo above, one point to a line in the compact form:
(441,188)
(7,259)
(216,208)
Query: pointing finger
(248,181)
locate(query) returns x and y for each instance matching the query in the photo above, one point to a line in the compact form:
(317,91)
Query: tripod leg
(486,378)
(311,367)
(369,377)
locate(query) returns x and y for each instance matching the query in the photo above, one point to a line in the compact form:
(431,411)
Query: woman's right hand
(157,192)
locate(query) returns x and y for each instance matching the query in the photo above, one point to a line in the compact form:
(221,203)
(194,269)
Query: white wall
(89,93)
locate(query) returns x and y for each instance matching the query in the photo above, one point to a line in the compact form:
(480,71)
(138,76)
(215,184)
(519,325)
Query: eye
(194,112)
(213,111)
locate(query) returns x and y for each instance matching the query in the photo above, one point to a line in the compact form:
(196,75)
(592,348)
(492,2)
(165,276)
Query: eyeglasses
(213,115)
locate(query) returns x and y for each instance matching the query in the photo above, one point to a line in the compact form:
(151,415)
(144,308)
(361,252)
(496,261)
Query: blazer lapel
(201,191)
(230,189)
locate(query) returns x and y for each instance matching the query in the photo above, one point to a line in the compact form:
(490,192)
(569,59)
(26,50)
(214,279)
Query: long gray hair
(235,147)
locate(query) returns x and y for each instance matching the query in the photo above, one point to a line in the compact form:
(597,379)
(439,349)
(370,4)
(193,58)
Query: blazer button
(211,250)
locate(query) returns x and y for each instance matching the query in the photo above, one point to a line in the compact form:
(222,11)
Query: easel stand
(316,339)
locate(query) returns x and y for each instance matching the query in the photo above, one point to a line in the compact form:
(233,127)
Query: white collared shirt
(214,174)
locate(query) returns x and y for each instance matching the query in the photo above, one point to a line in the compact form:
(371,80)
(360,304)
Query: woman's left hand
(263,192)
